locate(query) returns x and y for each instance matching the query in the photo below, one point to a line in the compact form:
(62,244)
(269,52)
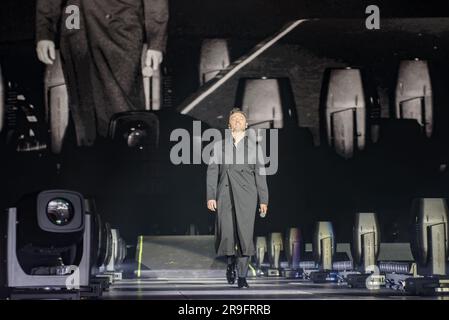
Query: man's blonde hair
(238,110)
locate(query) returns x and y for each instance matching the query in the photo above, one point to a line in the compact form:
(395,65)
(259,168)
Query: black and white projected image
(224,150)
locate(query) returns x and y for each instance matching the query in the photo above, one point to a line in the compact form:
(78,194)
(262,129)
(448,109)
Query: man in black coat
(235,182)
(102,60)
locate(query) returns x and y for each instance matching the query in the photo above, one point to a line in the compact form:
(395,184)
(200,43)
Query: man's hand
(263,210)
(153,59)
(212,205)
(46,51)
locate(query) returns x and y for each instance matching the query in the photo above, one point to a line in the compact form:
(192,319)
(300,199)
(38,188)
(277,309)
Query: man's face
(237,122)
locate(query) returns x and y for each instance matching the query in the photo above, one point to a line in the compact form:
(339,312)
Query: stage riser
(175,257)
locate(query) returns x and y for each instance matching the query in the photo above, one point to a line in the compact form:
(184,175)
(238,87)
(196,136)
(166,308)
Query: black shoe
(230,273)
(242,283)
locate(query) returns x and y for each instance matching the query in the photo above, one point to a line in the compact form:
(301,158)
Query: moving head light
(261,250)
(346,112)
(50,219)
(324,244)
(262,103)
(293,251)
(214,58)
(274,249)
(430,236)
(366,241)
(135,131)
(48,241)
(101,237)
(414,97)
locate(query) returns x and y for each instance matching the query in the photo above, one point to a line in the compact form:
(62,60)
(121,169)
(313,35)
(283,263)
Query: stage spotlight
(99,248)
(262,103)
(49,242)
(119,252)
(90,208)
(366,243)
(430,236)
(324,251)
(261,249)
(101,236)
(135,131)
(214,58)
(346,112)
(427,286)
(102,254)
(324,245)
(274,250)
(293,251)
(106,245)
(414,94)
(152,84)
(56,103)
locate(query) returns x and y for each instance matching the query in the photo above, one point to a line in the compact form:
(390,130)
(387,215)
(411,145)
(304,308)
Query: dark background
(154,197)
(247,18)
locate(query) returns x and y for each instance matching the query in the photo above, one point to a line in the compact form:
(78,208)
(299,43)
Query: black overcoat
(237,188)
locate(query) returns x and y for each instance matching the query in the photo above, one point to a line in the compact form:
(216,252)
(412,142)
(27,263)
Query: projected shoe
(230,273)
(242,283)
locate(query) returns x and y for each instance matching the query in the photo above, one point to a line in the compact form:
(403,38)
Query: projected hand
(263,210)
(212,205)
(46,51)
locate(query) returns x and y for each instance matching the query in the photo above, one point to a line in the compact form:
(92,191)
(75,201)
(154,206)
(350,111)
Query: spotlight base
(41,294)
(260,271)
(292,273)
(324,277)
(428,286)
(366,281)
(273,272)
(17,279)
(345,274)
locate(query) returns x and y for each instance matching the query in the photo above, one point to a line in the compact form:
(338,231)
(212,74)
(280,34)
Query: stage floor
(260,289)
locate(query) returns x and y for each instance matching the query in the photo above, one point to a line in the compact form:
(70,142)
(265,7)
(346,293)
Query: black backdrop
(178,198)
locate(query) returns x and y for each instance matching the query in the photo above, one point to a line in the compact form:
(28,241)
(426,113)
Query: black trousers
(242,263)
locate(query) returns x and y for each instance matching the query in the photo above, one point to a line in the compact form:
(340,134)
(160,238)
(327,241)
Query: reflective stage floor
(260,289)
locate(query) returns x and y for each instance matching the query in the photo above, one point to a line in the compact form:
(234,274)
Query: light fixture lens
(136,136)
(60,211)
